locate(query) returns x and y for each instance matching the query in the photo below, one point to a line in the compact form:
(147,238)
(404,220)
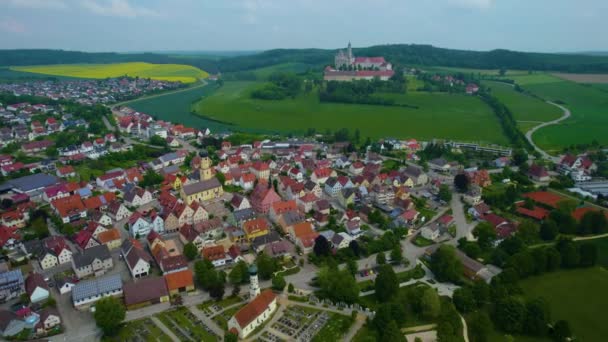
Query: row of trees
(419,303)
(506,119)
(358,91)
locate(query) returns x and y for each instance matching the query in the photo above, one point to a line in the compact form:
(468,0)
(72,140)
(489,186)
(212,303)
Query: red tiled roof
(258,224)
(68,206)
(213,253)
(180,279)
(302,229)
(253,309)
(281,207)
(494,219)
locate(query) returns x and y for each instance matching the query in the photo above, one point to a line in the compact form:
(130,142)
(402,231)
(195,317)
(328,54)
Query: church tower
(206,172)
(254,287)
(351,58)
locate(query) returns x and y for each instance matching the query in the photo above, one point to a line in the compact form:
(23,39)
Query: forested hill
(399,54)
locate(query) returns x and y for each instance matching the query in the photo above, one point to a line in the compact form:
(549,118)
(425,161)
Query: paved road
(463,229)
(544,124)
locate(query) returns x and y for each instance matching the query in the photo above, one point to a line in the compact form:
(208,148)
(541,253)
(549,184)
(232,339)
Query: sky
(229,25)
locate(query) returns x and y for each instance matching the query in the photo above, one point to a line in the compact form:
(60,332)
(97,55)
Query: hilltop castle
(347,67)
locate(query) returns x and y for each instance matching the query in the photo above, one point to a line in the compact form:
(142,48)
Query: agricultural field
(264,73)
(9,75)
(439,115)
(177,107)
(523,107)
(578,296)
(586,103)
(485,72)
(583,78)
(166,72)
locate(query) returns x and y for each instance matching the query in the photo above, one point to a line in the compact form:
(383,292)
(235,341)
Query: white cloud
(36,4)
(475,4)
(117,8)
(11,26)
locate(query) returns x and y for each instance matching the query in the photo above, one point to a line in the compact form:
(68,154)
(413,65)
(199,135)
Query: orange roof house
(180,281)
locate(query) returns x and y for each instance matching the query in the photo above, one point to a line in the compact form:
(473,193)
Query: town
(206,236)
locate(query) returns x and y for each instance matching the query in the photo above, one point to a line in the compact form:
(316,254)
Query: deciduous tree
(109,314)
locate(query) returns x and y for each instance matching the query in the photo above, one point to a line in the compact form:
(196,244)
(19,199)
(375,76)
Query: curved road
(544,124)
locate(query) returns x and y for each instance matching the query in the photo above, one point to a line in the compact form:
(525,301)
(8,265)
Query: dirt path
(359,321)
(545,124)
(465,330)
(585,238)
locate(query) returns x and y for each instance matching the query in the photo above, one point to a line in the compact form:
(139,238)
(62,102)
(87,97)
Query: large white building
(256,312)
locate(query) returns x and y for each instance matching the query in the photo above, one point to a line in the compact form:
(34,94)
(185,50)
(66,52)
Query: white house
(332,187)
(118,211)
(254,314)
(36,288)
(137,196)
(141,225)
(138,262)
(431,232)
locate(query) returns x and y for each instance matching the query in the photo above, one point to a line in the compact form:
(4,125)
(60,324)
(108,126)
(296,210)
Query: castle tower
(206,172)
(254,287)
(350,53)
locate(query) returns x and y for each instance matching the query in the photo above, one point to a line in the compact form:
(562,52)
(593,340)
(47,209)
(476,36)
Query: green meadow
(588,105)
(523,107)
(578,296)
(439,115)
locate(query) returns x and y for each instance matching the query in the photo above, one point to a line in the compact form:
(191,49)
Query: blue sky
(155,25)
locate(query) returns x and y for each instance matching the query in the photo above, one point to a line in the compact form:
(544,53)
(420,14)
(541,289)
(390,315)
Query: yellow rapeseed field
(167,72)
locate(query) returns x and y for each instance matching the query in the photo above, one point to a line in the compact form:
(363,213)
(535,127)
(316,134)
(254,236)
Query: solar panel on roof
(95,287)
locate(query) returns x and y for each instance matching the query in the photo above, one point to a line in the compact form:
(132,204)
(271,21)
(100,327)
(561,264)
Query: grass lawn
(523,107)
(587,104)
(578,296)
(415,273)
(365,334)
(366,285)
(461,117)
(223,318)
(422,242)
(167,72)
(334,329)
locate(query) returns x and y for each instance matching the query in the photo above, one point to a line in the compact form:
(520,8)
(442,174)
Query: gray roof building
(100,252)
(194,188)
(30,183)
(92,290)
